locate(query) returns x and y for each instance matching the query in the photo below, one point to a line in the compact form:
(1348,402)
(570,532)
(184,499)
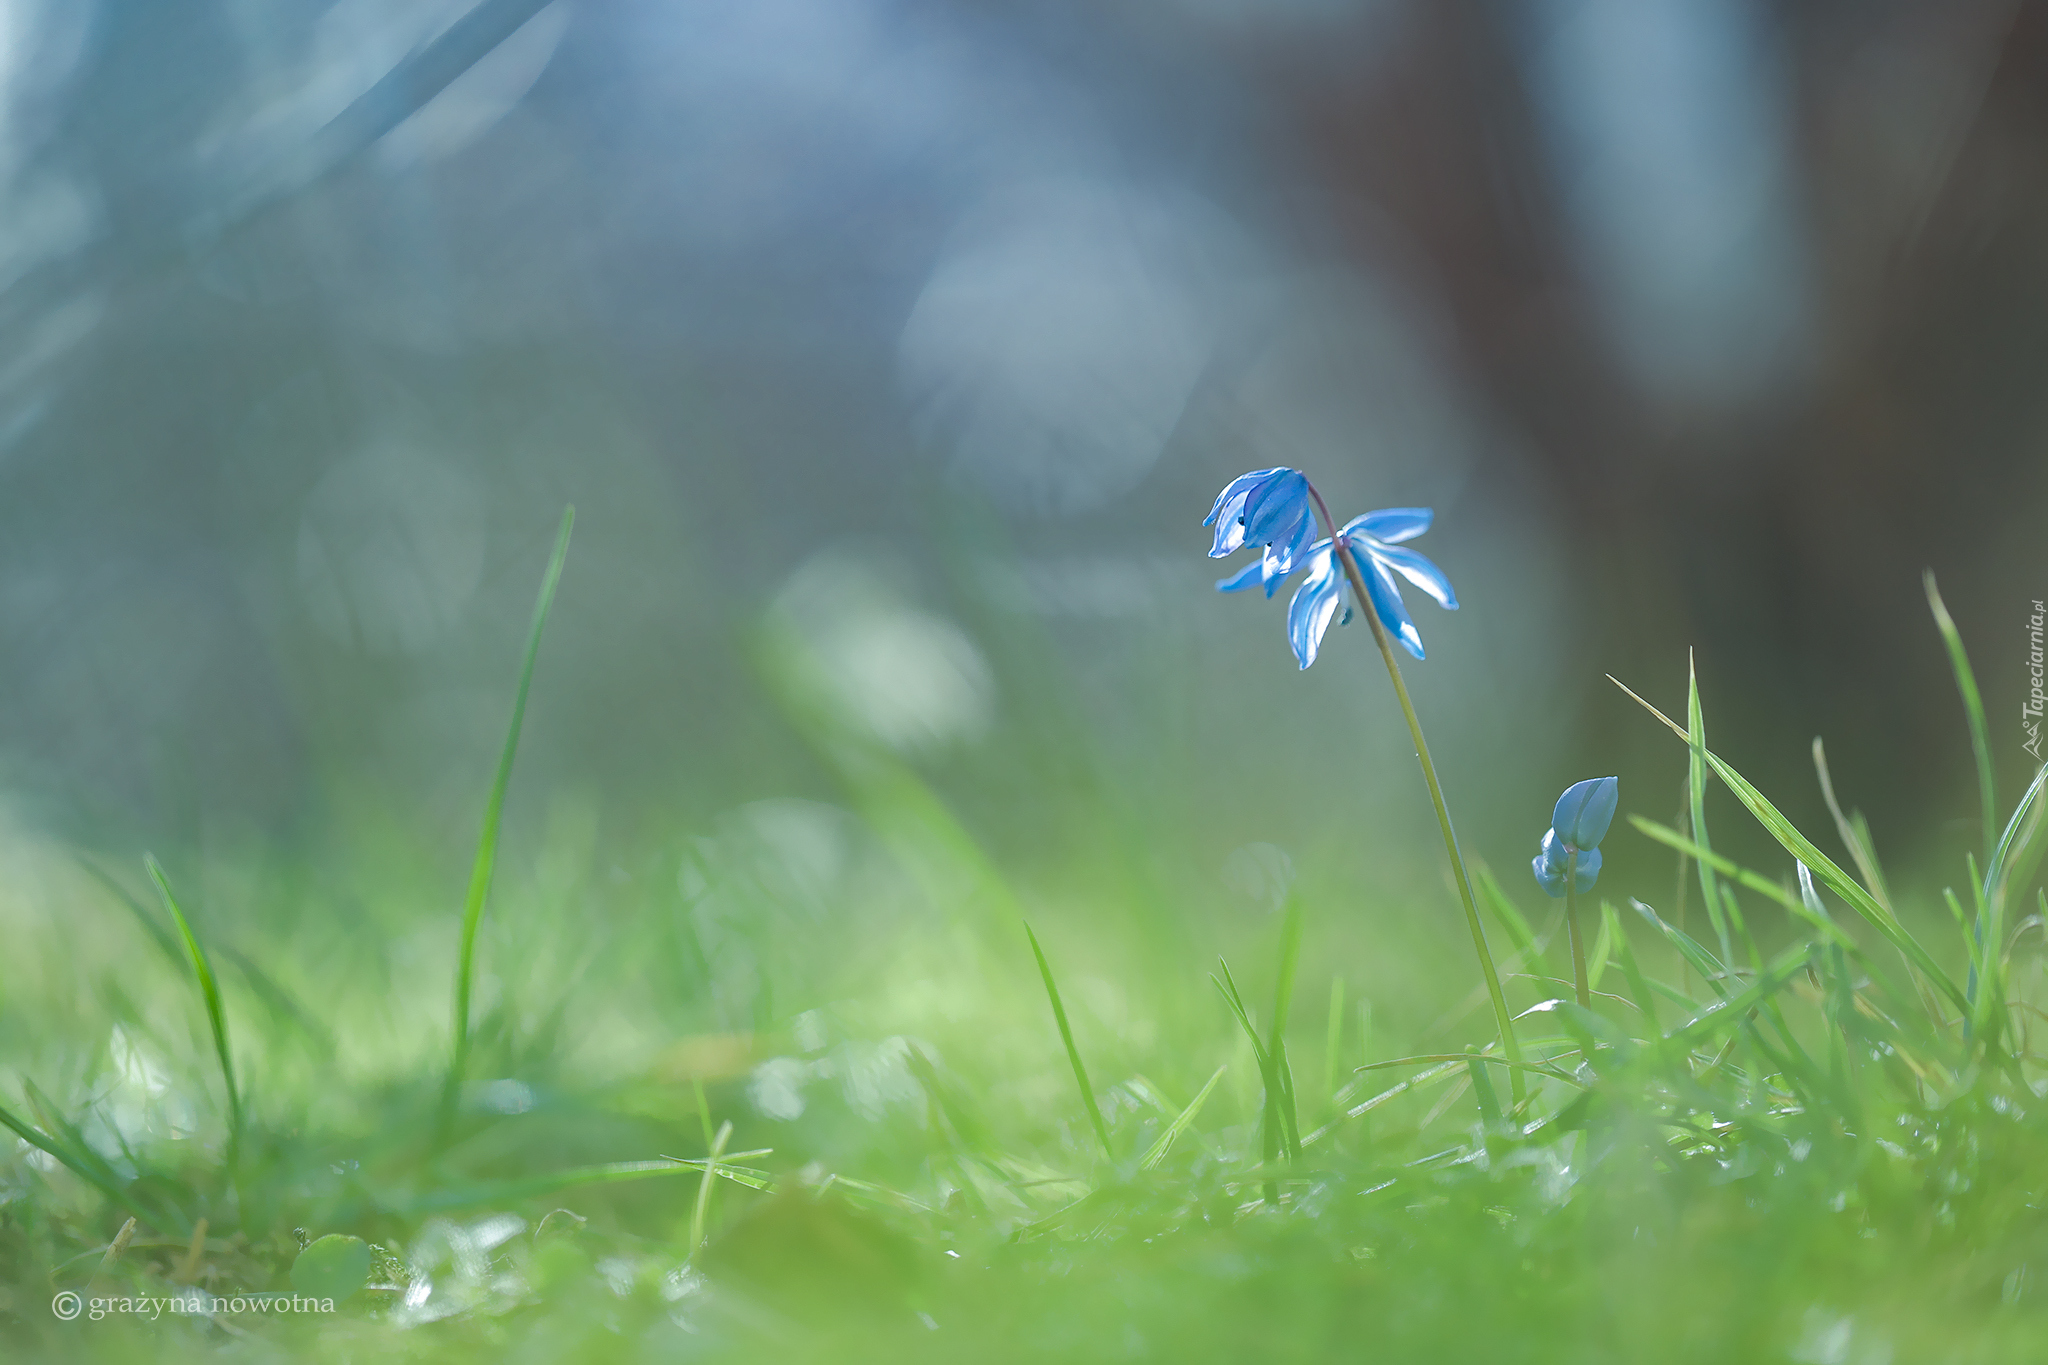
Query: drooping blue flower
(1577,825)
(1374,542)
(1268,508)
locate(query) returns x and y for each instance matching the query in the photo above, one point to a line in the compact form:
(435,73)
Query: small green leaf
(334,1267)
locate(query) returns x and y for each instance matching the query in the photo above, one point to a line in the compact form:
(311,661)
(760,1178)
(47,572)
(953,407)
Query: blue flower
(1549,866)
(1586,810)
(1270,508)
(1374,541)
(1577,825)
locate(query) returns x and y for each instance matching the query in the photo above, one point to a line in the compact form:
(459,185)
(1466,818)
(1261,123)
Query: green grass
(716,1099)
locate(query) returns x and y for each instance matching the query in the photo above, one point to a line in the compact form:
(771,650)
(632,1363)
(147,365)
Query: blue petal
(1243,483)
(1550,866)
(1243,578)
(1315,602)
(1386,600)
(1586,810)
(1589,869)
(1229,519)
(1417,570)
(1282,557)
(1276,507)
(1393,524)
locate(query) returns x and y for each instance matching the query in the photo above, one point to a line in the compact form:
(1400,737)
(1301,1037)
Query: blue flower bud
(1549,866)
(1585,811)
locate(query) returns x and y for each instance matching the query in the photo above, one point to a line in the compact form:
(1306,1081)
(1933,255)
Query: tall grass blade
(1059,1014)
(1156,1153)
(494,810)
(2019,847)
(1973,710)
(209,990)
(700,1213)
(1855,833)
(1511,919)
(1624,952)
(1271,1126)
(1483,1092)
(1824,867)
(1276,1045)
(1696,787)
(1333,1037)
(1226,985)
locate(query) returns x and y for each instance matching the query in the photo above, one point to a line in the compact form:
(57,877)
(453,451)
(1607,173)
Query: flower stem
(1571,919)
(1436,796)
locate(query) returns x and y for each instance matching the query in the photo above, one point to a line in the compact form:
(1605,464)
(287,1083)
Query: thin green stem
(1436,796)
(700,1215)
(1059,1016)
(1571,919)
(209,993)
(487,843)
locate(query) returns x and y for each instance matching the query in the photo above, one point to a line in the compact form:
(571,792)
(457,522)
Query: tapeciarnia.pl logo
(2030,710)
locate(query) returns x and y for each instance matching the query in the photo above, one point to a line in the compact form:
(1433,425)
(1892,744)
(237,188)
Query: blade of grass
(1973,710)
(2019,848)
(1855,834)
(1270,1124)
(1482,1091)
(1836,937)
(700,1213)
(209,990)
(494,810)
(1638,985)
(55,1123)
(1434,1074)
(1226,985)
(1433,1058)
(1156,1153)
(1511,919)
(1699,959)
(1755,881)
(1696,777)
(1824,867)
(1059,1014)
(1333,1036)
(1276,1045)
(1603,950)
(1731,1012)
(84,1170)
